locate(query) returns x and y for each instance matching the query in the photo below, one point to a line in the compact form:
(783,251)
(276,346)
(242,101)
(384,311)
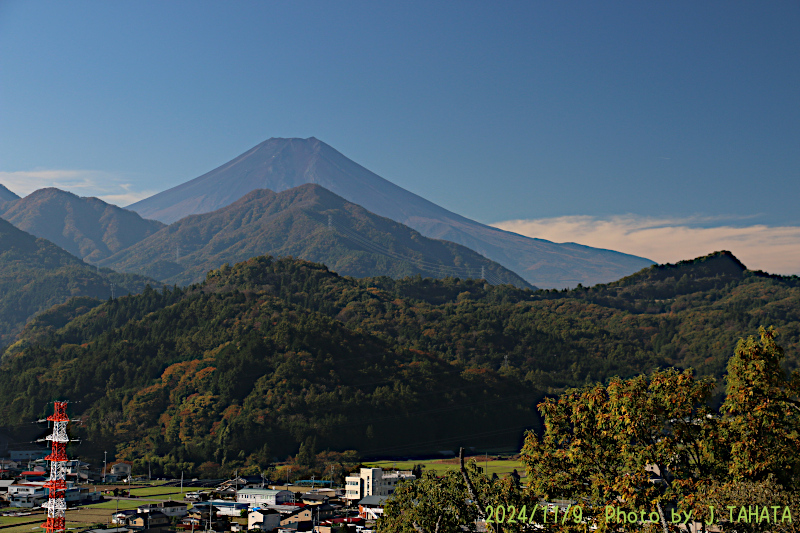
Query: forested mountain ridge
(88,228)
(35,274)
(308,222)
(254,356)
(277,351)
(281,164)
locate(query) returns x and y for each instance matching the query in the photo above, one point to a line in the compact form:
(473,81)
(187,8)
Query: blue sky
(595,122)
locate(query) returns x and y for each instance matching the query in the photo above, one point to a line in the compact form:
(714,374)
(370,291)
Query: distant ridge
(280,164)
(307,222)
(6,195)
(88,228)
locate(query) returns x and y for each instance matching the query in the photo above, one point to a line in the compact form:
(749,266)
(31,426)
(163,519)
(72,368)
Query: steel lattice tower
(56,504)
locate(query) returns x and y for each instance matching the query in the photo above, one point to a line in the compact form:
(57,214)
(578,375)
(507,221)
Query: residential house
(120,470)
(121,517)
(264,519)
(313,513)
(153,519)
(172,508)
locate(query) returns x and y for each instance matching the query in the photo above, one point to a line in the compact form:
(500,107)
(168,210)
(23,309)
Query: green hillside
(255,357)
(35,274)
(308,222)
(268,353)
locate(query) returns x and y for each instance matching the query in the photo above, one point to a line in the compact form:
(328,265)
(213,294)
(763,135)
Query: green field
(500,467)
(160,491)
(112,504)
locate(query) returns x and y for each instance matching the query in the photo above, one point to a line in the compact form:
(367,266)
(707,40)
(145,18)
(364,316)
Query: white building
(26,495)
(121,470)
(259,497)
(374,482)
(264,519)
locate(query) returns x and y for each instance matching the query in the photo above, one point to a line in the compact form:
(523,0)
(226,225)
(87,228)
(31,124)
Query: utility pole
(105,454)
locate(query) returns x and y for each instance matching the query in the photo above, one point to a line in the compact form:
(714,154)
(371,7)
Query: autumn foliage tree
(653,443)
(633,444)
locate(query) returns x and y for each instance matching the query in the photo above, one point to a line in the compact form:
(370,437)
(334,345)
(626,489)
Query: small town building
(121,517)
(264,519)
(310,513)
(374,482)
(371,507)
(149,520)
(120,469)
(26,495)
(228,508)
(172,508)
(4,484)
(262,497)
(29,454)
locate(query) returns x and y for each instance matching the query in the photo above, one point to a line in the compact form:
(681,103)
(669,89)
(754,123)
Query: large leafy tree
(759,435)
(761,413)
(633,444)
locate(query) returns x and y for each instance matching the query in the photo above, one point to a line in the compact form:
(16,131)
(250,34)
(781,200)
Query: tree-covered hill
(35,274)
(88,228)
(273,352)
(255,362)
(308,222)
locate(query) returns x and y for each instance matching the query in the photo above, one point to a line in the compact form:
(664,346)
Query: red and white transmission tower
(56,504)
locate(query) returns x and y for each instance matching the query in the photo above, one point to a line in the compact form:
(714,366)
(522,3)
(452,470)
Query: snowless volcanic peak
(281,164)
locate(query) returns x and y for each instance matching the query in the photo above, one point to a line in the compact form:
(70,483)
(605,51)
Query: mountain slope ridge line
(281,164)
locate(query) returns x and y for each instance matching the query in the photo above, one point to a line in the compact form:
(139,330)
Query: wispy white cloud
(774,249)
(108,187)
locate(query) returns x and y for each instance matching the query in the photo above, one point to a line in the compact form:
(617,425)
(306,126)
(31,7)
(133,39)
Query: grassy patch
(502,467)
(112,504)
(158,491)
